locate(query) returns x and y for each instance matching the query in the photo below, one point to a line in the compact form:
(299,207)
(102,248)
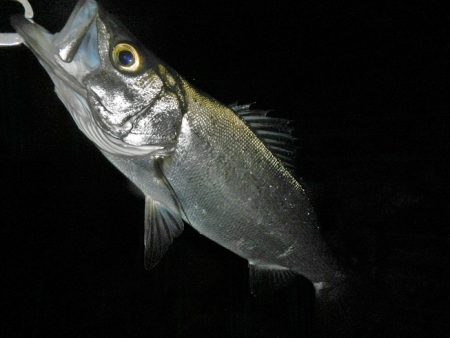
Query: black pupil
(126,58)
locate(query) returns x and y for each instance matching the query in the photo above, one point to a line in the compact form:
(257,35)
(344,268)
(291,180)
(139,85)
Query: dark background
(368,88)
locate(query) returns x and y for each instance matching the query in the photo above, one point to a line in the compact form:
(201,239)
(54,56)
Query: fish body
(195,159)
(237,193)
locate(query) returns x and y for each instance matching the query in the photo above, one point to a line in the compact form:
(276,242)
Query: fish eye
(126,58)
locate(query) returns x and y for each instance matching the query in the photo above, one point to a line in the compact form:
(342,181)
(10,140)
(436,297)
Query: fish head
(120,94)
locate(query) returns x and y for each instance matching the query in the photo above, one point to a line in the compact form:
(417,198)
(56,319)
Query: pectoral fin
(264,278)
(161,227)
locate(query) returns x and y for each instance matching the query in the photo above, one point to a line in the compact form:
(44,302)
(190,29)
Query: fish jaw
(69,54)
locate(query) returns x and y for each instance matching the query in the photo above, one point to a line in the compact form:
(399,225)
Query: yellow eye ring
(126,58)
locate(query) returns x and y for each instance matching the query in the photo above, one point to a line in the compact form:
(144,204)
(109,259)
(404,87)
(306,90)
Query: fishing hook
(14,39)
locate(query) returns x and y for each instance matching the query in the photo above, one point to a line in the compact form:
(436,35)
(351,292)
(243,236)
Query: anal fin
(267,278)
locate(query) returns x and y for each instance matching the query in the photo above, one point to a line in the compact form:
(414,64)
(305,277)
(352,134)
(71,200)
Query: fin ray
(264,278)
(161,227)
(275,133)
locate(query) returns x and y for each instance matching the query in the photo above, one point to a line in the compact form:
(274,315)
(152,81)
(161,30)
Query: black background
(367,85)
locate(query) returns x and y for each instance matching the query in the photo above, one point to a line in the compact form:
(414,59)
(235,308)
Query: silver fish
(221,169)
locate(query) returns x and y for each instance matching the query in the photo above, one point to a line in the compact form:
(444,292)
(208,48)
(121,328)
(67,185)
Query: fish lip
(23,25)
(35,37)
(69,39)
(39,41)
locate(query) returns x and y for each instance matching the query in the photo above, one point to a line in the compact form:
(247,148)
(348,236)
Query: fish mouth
(56,52)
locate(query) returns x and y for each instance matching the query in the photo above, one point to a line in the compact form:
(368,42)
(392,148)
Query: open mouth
(57,52)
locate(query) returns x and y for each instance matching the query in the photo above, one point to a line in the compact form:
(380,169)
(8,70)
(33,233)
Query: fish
(225,170)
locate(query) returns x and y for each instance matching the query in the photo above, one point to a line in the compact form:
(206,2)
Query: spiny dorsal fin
(275,133)
(161,227)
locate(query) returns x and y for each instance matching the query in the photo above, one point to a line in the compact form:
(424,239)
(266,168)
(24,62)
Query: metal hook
(14,39)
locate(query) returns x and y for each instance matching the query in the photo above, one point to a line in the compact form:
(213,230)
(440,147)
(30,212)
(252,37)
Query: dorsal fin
(275,133)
